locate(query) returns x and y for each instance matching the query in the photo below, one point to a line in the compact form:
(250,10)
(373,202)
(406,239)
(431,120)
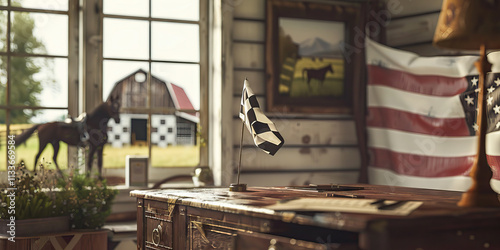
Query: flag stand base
(238,187)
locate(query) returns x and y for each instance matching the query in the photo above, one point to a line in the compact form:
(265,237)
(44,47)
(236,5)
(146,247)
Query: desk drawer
(205,235)
(158,225)
(257,241)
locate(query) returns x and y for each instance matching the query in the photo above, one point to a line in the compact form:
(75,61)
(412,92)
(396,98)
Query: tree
(24,87)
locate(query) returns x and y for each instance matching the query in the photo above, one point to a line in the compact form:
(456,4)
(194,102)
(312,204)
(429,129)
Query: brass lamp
(473,25)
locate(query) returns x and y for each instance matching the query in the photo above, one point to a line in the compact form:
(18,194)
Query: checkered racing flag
(264,132)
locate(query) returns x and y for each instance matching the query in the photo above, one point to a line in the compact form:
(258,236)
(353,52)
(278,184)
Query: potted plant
(85,199)
(46,202)
(28,207)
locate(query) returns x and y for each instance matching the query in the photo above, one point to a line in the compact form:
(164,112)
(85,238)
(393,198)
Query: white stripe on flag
(380,176)
(440,107)
(492,147)
(420,144)
(454,183)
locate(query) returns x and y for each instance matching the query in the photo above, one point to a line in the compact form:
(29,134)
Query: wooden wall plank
(293,179)
(412,30)
(305,158)
(255,78)
(427,49)
(249,31)
(253,9)
(247,55)
(401,8)
(306,132)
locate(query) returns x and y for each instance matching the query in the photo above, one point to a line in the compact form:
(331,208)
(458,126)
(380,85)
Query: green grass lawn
(26,152)
(172,156)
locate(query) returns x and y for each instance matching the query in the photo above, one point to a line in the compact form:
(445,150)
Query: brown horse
(96,125)
(318,74)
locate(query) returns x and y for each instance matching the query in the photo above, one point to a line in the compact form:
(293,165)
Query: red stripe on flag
(494,162)
(415,123)
(422,84)
(420,165)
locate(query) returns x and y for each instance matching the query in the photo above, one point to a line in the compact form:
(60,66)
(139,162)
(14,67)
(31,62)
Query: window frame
(85,82)
(73,65)
(93,51)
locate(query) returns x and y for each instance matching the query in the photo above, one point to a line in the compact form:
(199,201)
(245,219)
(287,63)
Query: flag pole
(241,149)
(239,187)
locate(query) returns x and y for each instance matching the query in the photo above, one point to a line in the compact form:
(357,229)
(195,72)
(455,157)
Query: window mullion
(150,150)
(8,86)
(92,39)
(204,104)
(73,68)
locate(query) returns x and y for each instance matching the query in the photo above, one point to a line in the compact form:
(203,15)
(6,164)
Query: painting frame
(311,87)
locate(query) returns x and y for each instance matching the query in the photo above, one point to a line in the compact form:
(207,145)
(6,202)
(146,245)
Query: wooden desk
(218,219)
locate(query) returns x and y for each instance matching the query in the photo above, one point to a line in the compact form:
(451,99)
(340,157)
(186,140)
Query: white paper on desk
(350,205)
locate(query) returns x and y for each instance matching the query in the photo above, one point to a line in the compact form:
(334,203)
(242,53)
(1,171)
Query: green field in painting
(333,85)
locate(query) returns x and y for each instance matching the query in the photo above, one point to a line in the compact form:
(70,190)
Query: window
(159,44)
(37,60)
(185,133)
(152,57)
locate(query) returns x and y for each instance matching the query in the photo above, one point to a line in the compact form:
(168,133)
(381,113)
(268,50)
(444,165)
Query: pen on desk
(288,199)
(345,195)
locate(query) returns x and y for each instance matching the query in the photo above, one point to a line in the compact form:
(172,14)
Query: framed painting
(310,56)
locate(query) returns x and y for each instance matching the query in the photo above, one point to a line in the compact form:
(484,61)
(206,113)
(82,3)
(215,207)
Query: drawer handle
(272,244)
(156,235)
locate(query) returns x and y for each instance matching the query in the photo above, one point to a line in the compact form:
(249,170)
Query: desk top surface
(438,207)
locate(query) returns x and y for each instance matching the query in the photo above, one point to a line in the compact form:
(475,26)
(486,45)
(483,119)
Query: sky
(124,39)
(302,29)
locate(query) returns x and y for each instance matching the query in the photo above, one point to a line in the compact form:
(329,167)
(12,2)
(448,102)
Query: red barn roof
(181,100)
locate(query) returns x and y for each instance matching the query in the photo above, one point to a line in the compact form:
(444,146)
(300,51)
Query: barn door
(139,132)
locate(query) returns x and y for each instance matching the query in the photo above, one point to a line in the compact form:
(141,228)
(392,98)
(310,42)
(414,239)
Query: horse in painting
(318,74)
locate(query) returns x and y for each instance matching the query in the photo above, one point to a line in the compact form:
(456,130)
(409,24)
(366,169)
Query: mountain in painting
(314,47)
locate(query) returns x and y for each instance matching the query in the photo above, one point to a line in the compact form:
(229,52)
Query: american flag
(264,132)
(421,119)
(492,92)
